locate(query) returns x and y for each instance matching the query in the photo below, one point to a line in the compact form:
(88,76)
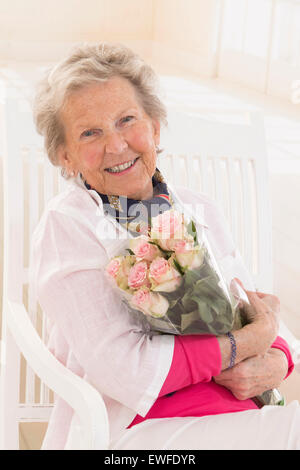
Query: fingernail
(239,282)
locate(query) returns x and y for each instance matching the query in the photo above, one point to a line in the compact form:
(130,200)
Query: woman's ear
(62,156)
(156,129)
(64,159)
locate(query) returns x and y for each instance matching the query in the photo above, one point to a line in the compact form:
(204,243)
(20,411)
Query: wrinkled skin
(259,373)
(104,126)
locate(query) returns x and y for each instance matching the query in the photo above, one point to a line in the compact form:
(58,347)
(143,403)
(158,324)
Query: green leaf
(130,251)
(191,277)
(189,320)
(168,253)
(191,229)
(172,303)
(187,302)
(209,287)
(204,309)
(178,267)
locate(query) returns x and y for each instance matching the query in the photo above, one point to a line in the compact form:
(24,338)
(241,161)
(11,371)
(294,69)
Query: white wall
(178,33)
(186,34)
(70,20)
(43,30)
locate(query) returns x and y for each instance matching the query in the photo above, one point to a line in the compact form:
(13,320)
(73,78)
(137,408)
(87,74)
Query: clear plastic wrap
(172,283)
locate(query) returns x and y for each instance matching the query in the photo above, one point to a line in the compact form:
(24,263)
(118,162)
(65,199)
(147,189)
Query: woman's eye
(126,119)
(89,133)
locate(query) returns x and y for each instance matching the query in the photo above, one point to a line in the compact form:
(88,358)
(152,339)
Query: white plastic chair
(29,182)
(228,162)
(204,151)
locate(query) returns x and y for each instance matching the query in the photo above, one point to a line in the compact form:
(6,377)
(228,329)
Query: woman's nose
(115,143)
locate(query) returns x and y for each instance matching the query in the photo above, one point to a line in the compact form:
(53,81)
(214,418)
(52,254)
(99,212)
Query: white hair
(86,64)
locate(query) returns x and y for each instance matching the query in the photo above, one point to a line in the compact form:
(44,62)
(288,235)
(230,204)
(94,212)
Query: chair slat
(44,390)
(44,394)
(33,217)
(166,166)
(204,175)
(219,185)
(246,217)
(30,385)
(192,181)
(233,199)
(261,263)
(33,190)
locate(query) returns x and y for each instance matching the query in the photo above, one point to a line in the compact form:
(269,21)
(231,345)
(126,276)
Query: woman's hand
(262,314)
(255,375)
(257,336)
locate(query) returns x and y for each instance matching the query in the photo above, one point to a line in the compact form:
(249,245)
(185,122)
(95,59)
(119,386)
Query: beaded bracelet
(233,349)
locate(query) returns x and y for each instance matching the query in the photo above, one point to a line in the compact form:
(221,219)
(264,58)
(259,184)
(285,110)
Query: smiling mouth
(121,168)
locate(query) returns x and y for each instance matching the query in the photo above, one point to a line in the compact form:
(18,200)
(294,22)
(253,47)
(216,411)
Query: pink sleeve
(195,359)
(198,358)
(280,343)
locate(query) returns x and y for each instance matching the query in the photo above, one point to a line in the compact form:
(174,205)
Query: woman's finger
(239,282)
(259,294)
(255,308)
(262,295)
(254,295)
(255,300)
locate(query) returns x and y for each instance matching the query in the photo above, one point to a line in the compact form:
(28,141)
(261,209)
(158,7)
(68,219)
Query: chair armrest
(79,394)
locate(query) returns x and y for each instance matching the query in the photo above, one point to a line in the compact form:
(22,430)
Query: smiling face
(105,127)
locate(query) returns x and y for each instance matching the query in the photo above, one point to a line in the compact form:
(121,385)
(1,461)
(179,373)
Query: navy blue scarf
(135,215)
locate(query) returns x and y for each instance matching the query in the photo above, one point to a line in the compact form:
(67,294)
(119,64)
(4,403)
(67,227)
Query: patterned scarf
(135,215)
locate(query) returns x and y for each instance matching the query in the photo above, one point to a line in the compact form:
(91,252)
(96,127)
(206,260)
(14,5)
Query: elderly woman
(100,117)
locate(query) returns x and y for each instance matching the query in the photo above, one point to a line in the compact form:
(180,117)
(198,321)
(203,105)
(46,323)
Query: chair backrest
(29,181)
(227,162)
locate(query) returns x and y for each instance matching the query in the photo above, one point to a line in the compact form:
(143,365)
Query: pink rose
(113,267)
(149,303)
(183,246)
(143,249)
(118,269)
(163,276)
(141,299)
(167,225)
(138,275)
(190,259)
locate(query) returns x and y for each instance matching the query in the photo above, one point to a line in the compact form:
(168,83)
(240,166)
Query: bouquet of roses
(171,281)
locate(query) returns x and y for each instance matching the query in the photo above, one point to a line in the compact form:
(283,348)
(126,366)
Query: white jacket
(89,330)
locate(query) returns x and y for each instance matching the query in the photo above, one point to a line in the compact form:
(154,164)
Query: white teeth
(118,168)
